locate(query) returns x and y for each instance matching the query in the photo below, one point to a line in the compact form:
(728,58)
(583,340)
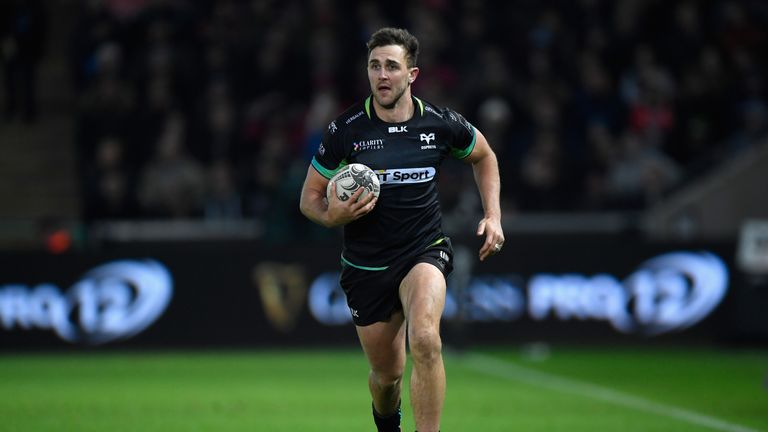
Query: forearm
(486,171)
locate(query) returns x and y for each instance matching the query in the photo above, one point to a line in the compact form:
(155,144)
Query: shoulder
(444,115)
(461,133)
(430,110)
(348,118)
(334,146)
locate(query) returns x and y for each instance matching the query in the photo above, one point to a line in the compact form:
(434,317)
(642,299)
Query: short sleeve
(330,155)
(463,134)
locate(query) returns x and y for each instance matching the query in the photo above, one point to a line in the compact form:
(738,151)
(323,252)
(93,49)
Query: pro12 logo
(670,292)
(111,302)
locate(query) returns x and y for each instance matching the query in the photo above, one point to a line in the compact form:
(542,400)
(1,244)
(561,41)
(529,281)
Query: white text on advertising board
(670,292)
(114,301)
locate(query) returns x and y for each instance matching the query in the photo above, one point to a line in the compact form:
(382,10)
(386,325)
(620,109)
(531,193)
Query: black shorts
(373,295)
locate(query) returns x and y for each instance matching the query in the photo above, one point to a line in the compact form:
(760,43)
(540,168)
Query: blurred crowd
(213,109)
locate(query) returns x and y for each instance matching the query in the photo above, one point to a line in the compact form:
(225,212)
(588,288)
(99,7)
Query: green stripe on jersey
(421,105)
(436,242)
(368,106)
(325,172)
(461,154)
(344,261)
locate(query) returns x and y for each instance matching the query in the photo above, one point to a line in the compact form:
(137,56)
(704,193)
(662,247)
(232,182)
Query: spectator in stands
(640,174)
(172,184)
(677,82)
(753,128)
(216,125)
(222,200)
(107,104)
(647,89)
(603,151)
(701,113)
(109,183)
(94,27)
(541,174)
(23,32)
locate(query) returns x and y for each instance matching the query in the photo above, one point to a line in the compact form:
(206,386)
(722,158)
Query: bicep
(481,150)
(314,184)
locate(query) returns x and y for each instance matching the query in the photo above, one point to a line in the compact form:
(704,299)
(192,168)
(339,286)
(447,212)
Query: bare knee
(425,345)
(386,380)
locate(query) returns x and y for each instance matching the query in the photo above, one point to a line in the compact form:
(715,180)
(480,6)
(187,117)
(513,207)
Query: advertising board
(578,289)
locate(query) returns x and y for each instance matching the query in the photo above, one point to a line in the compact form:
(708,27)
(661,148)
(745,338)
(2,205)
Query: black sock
(390,423)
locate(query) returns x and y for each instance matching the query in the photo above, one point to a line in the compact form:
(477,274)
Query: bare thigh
(384,345)
(422,293)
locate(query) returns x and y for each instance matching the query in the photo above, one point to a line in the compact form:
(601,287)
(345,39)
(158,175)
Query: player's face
(389,74)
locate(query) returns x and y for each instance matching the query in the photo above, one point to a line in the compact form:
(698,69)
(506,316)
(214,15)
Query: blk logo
(398,129)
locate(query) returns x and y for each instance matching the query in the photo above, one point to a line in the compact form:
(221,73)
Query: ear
(412,74)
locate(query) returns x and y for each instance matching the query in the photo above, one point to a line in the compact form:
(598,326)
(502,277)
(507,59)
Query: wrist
(325,220)
(331,221)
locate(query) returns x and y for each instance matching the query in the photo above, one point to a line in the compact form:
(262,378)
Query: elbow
(305,210)
(308,211)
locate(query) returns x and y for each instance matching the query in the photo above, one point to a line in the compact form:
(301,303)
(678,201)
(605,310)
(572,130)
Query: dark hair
(396,36)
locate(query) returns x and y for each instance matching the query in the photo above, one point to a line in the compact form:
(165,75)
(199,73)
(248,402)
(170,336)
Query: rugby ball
(352,177)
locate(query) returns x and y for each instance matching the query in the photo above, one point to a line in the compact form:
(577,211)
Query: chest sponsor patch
(374,144)
(406,175)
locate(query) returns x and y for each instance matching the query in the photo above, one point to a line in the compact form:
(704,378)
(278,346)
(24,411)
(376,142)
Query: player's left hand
(494,236)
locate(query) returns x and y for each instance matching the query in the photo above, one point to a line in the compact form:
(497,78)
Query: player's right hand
(343,212)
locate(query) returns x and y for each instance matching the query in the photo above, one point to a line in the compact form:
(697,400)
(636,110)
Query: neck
(401,112)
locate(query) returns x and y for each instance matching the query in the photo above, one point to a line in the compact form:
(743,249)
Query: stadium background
(179,132)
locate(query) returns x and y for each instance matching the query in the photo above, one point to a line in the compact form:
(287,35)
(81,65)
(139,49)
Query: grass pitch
(574,389)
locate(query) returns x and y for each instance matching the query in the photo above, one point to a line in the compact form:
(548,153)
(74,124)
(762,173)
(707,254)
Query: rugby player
(395,256)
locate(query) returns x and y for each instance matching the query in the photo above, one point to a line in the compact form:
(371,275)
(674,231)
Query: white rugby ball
(352,177)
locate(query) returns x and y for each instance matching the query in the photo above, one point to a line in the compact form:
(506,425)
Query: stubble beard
(394,101)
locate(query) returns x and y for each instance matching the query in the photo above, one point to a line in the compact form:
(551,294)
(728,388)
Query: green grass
(326,391)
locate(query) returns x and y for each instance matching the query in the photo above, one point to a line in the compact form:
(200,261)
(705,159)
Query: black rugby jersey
(406,157)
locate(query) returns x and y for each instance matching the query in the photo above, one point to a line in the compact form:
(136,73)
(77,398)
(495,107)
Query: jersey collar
(371,112)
